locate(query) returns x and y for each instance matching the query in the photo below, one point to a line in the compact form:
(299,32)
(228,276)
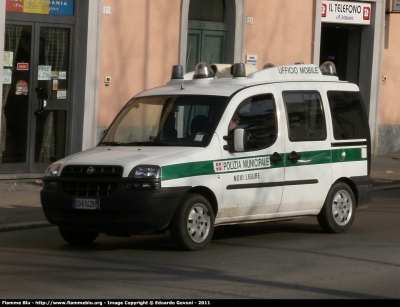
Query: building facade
(69,66)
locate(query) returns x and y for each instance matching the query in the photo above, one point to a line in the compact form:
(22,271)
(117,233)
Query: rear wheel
(192,226)
(78,237)
(339,208)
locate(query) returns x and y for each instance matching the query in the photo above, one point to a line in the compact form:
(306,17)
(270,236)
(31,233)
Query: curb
(24,226)
(386,187)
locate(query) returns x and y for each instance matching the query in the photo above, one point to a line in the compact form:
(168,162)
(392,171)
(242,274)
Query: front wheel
(192,226)
(339,208)
(78,237)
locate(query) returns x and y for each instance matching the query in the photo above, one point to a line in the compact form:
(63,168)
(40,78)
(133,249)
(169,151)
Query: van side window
(306,121)
(257,116)
(348,118)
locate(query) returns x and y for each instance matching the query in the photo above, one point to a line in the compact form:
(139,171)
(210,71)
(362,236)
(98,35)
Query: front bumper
(123,213)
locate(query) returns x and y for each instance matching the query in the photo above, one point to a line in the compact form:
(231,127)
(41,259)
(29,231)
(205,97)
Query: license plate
(86,203)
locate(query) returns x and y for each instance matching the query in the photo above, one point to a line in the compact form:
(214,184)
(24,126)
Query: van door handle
(276,158)
(294,157)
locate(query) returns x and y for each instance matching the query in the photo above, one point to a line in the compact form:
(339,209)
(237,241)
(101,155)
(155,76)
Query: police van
(225,144)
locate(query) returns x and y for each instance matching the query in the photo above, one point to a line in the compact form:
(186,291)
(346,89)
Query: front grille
(99,171)
(97,183)
(88,189)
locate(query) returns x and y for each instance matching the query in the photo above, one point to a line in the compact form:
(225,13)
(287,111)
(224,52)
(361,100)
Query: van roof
(225,79)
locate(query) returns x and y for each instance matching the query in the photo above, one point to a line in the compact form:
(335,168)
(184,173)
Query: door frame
(52,105)
(236,18)
(36,21)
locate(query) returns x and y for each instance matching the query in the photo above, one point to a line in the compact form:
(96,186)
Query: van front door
(253,179)
(36,96)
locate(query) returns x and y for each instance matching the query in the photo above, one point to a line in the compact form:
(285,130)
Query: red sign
(366,13)
(22,66)
(324,8)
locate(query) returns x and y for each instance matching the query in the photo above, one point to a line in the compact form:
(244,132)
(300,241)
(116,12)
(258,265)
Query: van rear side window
(348,118)
(305,116)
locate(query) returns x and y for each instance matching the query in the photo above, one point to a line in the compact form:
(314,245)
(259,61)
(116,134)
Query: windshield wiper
(147,144)
(133,144)
(114,144)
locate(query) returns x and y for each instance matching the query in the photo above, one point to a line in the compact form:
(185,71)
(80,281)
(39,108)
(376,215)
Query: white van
(299,146)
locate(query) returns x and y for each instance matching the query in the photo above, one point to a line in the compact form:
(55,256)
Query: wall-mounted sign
(251,59)
(50,7)
(346,12)
(396,6)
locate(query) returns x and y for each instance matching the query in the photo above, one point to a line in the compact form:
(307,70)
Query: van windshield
(166,121)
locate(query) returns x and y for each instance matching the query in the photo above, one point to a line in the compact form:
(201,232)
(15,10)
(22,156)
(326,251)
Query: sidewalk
(20,206)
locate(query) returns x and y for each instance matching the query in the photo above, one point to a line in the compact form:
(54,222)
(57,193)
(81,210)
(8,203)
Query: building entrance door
(341,45)
(205,46)
(36,96)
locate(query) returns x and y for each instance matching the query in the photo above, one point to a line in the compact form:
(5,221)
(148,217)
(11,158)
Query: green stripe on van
(200,168)
(310,158)
(351,155)
(187,170)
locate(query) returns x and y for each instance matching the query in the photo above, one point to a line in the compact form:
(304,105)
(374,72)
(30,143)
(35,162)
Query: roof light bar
(238,70)
(328,68)
(203,70)
(268,65)
(177,72)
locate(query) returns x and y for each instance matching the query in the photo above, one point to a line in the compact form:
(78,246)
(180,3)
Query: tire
(339,208)
(192,225)
(78,237)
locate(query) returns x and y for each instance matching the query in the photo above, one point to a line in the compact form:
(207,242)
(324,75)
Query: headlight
(147,177)
(53,170)
(146,171)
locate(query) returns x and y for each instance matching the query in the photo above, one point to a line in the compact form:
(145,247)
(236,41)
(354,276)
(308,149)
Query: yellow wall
(390,90)
(282,31)
(140,43)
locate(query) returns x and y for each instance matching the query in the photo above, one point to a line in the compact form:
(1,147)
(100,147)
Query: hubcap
(198,223)
(342,208)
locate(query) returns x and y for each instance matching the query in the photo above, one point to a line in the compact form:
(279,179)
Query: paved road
(284,260)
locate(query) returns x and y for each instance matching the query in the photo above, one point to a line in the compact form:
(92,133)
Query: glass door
(36,96)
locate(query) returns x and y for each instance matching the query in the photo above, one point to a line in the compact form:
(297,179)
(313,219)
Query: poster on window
(8,58)
(62,75)
(44,72)
(62,94)
(21,88)
(7,76)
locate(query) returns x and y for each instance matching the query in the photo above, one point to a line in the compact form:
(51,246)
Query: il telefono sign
(346,12)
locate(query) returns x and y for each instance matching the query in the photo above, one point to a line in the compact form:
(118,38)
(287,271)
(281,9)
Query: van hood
(128,157)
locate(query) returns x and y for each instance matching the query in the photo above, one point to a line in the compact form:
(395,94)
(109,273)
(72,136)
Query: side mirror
(239,139)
